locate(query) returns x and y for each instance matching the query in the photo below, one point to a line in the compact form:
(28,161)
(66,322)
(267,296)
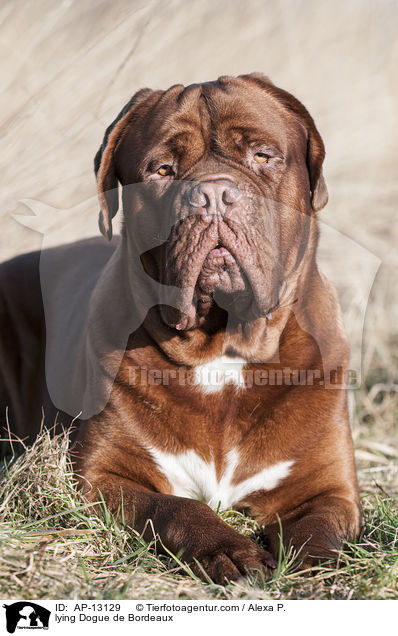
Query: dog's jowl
(207,359)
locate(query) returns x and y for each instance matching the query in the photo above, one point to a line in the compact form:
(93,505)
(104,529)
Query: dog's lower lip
(187,320)
(219,250)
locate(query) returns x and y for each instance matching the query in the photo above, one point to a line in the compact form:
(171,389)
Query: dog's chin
(215,310)
(221,283)
(221,271)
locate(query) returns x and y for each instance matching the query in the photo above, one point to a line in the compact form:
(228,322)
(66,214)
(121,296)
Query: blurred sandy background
(68,67)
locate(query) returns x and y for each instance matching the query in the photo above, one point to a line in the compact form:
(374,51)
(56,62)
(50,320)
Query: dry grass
(53,546)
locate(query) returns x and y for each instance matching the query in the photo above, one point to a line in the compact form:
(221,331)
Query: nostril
(231,195)
(197,198)
(207,200)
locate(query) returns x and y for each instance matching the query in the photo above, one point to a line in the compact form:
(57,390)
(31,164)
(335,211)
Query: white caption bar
(175,617)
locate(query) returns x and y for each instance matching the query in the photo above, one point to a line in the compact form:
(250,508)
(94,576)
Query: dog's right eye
(165,170)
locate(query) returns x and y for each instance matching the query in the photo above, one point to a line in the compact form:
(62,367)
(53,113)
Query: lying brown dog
(228,388)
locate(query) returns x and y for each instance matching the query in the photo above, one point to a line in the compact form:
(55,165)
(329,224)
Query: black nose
(214,197)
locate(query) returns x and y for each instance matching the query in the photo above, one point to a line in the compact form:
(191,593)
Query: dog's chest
(231,479)
(214,375)
(191,476)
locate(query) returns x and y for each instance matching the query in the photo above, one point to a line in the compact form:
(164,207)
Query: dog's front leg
(186,527)
(317,530)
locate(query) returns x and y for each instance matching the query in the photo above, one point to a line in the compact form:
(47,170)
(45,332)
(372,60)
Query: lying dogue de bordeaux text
(229,391)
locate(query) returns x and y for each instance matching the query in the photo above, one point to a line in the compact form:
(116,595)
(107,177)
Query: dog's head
(220,181)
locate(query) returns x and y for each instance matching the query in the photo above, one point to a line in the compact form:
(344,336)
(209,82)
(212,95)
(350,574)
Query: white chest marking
(214,375)
(190,476)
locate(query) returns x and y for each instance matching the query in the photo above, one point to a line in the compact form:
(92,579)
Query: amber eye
(165,170)
(261,157)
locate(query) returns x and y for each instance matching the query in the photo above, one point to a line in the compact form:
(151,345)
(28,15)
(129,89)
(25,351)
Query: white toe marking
(214,375)
(190,476)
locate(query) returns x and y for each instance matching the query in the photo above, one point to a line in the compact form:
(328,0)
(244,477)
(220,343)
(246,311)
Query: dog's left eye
(165,170)
(261,157)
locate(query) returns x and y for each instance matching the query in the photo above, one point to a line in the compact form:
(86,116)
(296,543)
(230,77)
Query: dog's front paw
(235,560)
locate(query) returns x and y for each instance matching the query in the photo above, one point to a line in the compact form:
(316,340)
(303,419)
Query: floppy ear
(315,146)
(104,165)
(315,157)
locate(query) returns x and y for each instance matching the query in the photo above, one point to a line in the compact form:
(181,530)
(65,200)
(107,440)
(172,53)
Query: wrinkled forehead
(178,117)
(222,111)
(241,107)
